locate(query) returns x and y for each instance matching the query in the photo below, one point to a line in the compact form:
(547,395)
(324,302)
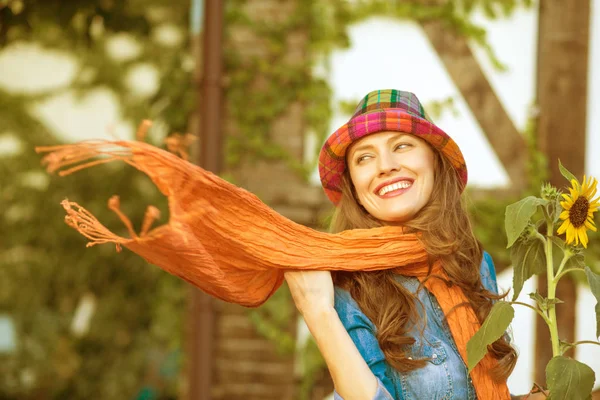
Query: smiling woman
(383,334)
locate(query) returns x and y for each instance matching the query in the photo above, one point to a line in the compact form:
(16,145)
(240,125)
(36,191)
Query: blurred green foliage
(134,339)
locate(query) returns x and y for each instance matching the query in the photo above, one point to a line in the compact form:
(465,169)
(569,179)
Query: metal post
(210,158)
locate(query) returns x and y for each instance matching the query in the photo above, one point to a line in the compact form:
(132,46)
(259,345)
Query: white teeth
(395,186)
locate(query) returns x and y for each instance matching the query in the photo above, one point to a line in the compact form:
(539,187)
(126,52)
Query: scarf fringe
(86,224)
(79,156)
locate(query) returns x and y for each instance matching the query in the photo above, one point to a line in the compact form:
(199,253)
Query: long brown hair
(447,236)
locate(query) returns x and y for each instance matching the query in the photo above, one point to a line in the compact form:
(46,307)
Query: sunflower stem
(586,342)
(541,237)
(566,258)
(551,288)
(537,310)
(563,273)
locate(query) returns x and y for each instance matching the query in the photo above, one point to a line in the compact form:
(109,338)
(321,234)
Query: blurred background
(261,83)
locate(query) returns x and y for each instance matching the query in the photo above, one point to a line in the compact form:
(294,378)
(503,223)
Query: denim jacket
(445,375)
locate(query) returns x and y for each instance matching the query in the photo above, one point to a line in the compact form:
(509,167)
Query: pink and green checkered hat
(383,110)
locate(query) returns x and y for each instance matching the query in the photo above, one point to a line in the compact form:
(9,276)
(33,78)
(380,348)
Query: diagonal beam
(466,73)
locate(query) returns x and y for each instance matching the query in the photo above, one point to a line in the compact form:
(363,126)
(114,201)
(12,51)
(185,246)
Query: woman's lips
(395,193)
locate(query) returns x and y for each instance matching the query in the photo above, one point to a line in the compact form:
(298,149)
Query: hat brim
(332,159)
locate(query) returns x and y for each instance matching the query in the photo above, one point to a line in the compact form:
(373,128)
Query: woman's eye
(403,146)
(361,158)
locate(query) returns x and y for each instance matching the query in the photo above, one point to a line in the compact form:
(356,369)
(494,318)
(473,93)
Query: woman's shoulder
(349,311)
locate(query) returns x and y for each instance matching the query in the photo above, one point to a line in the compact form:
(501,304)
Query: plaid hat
(383,110)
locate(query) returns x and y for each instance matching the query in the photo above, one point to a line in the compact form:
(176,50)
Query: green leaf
(494,326)
(558,251)
(528,259)
(594,281)
(538,299)
(568,379)
(558,242)
(518,215)
(565,172)
(555,300)
(576,261)
(544,302)
(556,209)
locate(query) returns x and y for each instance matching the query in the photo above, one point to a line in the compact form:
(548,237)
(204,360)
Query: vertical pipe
(200,376)
(211,100)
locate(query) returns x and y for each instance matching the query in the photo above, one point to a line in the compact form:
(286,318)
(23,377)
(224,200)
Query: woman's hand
(312,291)
(313,294)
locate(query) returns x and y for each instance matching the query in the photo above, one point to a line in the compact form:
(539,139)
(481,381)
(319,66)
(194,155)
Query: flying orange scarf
(225,241)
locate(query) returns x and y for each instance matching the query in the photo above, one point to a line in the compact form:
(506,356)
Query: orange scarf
(228,243)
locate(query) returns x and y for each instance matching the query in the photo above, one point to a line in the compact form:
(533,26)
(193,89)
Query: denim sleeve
(362,333)
(381,394)
(488,273)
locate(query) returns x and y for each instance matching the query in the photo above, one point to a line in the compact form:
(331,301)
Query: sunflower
(578,211)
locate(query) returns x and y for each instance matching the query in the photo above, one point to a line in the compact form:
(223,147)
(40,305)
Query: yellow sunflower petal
(592,191)
(574,193)
(564,215)
(591,185)
(571,236)
(583,237)
(590,226)
(567,204)
(563,228)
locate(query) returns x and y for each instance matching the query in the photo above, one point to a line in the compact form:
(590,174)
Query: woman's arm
(313,294)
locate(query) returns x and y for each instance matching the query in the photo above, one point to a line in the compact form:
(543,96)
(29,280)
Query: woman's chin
(395,218)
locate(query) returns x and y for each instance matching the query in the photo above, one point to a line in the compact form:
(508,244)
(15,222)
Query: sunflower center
(579,211)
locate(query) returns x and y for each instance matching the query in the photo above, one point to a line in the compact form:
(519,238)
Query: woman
(383,335)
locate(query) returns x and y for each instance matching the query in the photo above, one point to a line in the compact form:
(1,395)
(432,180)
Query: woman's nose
(388,164)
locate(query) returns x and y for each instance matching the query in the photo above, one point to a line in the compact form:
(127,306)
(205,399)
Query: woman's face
(393,174)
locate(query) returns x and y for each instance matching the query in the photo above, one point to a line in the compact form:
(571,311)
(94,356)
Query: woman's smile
(394,188)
